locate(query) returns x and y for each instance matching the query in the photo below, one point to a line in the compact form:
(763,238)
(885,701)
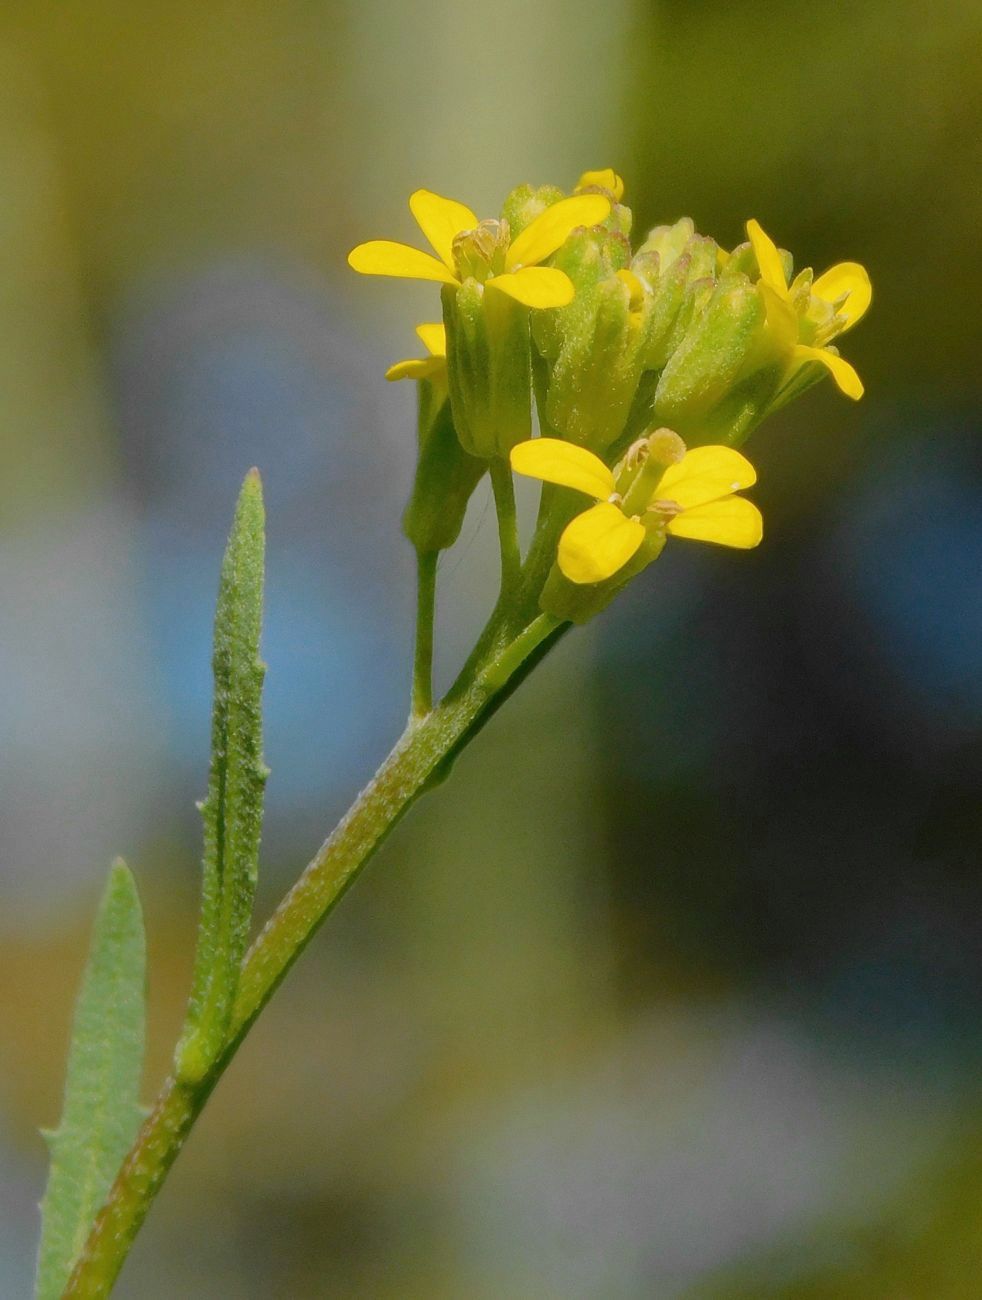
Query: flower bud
(594,379)
(703,368)
(669,242)
(742,261)
(681,282)
(667,287)
(702,252)
(587,257)
(602,181)
(611,186)
(488,367)
(525,203)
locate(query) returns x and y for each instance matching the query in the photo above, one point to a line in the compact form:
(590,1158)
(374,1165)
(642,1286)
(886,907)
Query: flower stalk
(503,487)
(422,697)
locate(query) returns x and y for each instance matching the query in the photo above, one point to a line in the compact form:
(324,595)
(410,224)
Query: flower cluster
(646,369)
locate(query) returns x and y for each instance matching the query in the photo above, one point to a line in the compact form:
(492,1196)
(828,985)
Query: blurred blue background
(675,990)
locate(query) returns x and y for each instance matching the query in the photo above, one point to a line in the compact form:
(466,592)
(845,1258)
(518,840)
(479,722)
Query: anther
(667,509)
(637,453)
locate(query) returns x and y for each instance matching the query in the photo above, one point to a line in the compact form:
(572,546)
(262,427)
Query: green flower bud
(703,368)
(620,221)
(446,475)
(679,288)
(667,288)
(587,257)
(488,368)
(610,185)
(595,347)
(621,217)
(669,242)
(703,258)
(742,261)
(622,323)
(525,203)
(595,377)
(695,295)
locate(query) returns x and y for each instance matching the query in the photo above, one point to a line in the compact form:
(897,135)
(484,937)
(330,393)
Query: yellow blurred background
(674,990)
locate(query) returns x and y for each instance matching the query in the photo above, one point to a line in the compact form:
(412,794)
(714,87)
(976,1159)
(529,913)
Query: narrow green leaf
(101,1112)
(233,808)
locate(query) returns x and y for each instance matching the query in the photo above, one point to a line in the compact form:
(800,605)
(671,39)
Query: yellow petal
(782,323)
(440,219)
(384,257)
(555,461)
(598,543)
(416,368)
(734,521)
(705,474)
(536,286)
(848,280)
(768,258)
(607,179)
(549,230)
(840,369)
(433,336)
(634,287)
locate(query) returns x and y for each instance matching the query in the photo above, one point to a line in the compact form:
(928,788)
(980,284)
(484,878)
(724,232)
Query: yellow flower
(434,338)
(819,310)
(692,498)
(484,250)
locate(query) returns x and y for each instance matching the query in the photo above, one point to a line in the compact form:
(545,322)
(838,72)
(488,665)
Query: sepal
(703,369)
(488,367)
(446,477)
(595,377)
(576,602)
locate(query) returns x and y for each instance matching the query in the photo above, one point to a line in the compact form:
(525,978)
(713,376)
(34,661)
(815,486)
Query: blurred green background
(675,990)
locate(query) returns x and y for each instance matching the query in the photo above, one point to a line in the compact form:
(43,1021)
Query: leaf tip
(121,889)
(249,510)
(120,874)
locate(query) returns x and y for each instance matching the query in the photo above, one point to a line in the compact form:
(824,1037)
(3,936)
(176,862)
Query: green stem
(504,500)
(418,761)
(497,673)
(426,563)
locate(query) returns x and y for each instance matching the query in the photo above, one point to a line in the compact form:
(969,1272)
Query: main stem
(414,763)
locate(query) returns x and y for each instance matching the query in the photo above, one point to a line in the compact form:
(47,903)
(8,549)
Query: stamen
(667,509)
(637,453)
